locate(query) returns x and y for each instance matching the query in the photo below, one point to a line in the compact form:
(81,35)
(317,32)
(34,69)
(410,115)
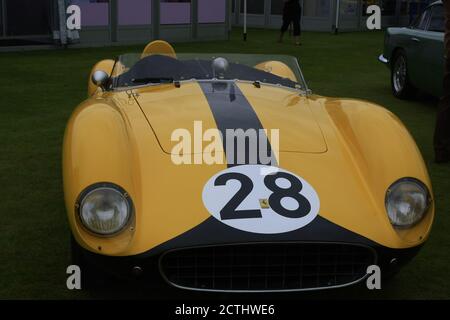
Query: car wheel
(91,277)
(401,86)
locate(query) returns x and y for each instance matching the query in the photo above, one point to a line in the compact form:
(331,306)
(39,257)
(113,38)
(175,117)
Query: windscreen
(133,69)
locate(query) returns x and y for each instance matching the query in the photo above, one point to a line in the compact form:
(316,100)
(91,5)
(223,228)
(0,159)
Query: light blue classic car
(415,54)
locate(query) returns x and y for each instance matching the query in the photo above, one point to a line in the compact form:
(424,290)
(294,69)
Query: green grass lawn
(39,90)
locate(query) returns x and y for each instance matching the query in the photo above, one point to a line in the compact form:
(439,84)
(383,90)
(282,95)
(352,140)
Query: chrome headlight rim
(98,186)
(421,185)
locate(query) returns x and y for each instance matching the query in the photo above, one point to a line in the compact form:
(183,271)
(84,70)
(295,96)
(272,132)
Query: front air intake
(267,267)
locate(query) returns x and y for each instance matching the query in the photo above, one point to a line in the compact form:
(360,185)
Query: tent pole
(338,8)
(245,20)
(62,22)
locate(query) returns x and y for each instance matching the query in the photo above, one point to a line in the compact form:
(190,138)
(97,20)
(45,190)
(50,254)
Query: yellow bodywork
(159,47)
(278,68)
(350,151)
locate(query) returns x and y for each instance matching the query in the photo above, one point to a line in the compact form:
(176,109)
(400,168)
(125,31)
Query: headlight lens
(105,209)
(407,201)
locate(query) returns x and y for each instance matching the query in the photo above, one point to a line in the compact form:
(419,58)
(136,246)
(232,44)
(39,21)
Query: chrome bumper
(382,59)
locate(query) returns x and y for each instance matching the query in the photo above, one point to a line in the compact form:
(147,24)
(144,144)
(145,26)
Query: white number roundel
(261,199)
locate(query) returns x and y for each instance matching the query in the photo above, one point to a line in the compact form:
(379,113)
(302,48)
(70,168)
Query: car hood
(229,105)
(367,150)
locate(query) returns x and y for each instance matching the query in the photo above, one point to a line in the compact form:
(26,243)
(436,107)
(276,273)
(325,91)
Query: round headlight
(105,209)
(407,201)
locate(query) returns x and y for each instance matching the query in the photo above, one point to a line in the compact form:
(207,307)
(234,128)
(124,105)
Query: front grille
(267,267)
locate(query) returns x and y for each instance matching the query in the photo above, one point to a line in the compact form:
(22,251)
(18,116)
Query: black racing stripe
(231,110)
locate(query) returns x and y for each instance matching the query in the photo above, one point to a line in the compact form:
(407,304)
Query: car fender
(358,128)
(97,148)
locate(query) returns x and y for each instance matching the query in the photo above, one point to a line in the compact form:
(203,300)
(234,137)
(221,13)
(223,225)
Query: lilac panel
(93,13)
(135,12)
(175,13)
(211,11)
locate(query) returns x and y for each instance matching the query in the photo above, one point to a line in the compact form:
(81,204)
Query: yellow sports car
(226,173)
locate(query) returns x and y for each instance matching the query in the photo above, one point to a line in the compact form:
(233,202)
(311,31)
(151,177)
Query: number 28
(230,212)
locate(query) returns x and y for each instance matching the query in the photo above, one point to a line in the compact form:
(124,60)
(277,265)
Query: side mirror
(100,79)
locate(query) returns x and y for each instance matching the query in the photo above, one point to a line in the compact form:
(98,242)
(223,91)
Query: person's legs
(442,131)
(297,31)
(284,27)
